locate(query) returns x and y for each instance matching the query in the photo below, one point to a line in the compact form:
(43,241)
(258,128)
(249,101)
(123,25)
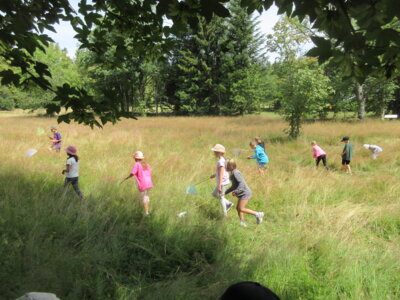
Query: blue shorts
(261,166)
(56,146)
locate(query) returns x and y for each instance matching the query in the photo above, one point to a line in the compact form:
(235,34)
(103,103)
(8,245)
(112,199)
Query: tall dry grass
(326,235)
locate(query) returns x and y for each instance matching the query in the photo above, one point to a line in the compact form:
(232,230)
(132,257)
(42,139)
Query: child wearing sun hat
(72,170)
(142,172)
(56,139)
(374,150)
(222,177)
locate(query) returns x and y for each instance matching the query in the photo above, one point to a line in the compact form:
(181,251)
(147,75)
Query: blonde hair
(144,164)
(313,143)
(253,144)
(230,165)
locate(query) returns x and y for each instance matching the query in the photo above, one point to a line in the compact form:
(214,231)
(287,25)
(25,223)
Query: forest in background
(221,68)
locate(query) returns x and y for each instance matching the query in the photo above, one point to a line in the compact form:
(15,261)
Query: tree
(29,95)
(305,92)
(242,62)
(359,32)
(200,88)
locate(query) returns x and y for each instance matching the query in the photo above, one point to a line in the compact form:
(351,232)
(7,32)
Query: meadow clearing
(326,235)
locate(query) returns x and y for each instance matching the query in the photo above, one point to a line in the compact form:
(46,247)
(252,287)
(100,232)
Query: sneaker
(243,224)
(259,217)
(228,206)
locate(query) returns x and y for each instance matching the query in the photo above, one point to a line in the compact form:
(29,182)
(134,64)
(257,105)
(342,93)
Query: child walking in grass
(374,150)
(260,156)
(72,171)
(241,190)
(318,154)
(222,177)
(347,154)
(56,139)
(142,172)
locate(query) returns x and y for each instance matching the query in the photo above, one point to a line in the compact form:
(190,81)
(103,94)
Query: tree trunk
(361,100)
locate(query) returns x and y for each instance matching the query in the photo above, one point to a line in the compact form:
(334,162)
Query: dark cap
(248,290)
(345,138)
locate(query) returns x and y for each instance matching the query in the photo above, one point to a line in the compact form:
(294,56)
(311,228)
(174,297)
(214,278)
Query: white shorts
(144,196)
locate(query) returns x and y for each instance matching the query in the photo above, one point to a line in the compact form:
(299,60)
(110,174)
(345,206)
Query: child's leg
(240,214)
(242,207)
(324,161)
(66,183)
(221,196)
(261,171)
(348,168)
(318,160)
(75,185)
(145,200)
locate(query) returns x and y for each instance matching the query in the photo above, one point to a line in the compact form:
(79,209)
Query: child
(374,150)
(260,142)
(222,179)
(262,158)
(72,171)
(240,190)
(56,139)
(347,154)
(318,154)
(142,171)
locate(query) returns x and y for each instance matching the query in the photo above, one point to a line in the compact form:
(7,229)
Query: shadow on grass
(102,248)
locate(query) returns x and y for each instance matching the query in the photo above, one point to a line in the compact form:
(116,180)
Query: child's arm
(67,169)
(314,152)
(127,177)
(252,156)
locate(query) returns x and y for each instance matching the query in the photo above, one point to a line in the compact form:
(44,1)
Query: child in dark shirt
(241,190)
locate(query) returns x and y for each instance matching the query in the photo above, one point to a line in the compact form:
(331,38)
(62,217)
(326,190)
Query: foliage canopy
(363,37)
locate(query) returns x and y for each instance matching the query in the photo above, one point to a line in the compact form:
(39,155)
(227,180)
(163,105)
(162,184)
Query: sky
(65,34)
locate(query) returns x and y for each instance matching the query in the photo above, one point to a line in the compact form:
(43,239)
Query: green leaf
(8,77)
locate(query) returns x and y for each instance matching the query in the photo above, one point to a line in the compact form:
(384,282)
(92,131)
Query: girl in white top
(222,177)
(72,171)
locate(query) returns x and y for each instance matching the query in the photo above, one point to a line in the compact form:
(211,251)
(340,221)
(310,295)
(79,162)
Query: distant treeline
(221,68)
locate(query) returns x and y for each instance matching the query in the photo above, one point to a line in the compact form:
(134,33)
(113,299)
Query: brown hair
(230,165)
(252,144)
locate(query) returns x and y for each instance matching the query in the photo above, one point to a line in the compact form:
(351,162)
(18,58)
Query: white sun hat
(138,155)
(366,146)
(218,148)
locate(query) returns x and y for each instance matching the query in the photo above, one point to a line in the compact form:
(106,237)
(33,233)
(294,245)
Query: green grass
(326,235)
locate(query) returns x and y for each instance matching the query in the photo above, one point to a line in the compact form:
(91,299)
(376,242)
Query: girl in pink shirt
(318,154)
(142,172)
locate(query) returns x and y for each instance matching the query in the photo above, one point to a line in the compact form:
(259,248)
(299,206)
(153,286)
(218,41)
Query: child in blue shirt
(259,154)
(56,139)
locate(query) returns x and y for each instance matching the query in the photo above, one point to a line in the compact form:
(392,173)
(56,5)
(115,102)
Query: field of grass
(326,235)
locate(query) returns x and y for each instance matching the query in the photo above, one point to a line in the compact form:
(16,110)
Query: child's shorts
(345,162)
(261,166)
(144,196)
(56,146)
(245,197)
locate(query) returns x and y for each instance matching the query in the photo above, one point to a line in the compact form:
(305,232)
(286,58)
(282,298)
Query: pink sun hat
(71,150)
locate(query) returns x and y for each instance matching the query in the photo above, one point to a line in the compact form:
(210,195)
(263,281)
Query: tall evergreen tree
(200,89)
(244,52)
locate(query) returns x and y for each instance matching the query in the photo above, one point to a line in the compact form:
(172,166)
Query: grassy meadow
(326,235)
